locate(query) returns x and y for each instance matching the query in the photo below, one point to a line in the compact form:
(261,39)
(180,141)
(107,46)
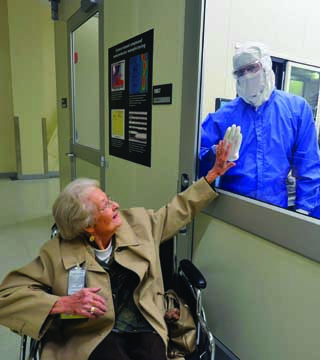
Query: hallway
(25,221)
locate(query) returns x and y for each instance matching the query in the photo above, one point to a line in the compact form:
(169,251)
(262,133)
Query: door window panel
(85,83)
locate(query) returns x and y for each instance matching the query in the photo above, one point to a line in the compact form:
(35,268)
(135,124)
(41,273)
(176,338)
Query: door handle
(185,182)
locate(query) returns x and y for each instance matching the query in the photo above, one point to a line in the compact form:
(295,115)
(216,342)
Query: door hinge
(103,162)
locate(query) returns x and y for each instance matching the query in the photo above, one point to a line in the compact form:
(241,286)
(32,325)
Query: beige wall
(130,183)
(7,148)
(262,300)
(68,8)
(33,77)
(290,29)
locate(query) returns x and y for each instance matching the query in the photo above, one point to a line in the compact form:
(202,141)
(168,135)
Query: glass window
(279,160)
(304,80)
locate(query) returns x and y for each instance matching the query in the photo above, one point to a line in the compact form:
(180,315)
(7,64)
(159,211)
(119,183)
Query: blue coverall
(280,135)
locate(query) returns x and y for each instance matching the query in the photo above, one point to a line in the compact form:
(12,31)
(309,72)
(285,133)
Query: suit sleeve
(306,162)
(25,299)
(209,138)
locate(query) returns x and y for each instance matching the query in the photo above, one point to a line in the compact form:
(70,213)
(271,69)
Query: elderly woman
(94,291)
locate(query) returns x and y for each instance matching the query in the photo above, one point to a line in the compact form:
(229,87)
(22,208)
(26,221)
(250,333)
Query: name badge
(76,282)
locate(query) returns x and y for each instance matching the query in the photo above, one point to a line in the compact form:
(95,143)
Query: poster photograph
(117,124)
(118,76)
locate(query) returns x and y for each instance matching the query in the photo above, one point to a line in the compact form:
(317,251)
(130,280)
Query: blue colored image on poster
(138,83)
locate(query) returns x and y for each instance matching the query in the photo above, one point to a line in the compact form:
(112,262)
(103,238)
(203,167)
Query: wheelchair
(188,282)
(189,285)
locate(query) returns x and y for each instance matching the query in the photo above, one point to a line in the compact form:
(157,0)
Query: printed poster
(130,99)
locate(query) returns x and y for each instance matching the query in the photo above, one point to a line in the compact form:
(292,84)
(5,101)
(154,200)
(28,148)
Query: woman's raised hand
(221,164)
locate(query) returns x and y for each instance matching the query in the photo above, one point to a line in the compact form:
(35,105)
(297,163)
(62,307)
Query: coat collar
(125,236)
(79,251)
(136,259)
(76,252)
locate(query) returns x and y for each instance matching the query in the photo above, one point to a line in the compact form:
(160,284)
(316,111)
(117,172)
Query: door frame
(86,153)
(191,113)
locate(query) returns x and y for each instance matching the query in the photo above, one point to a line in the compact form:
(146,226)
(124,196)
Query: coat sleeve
(306,161)
(209,138)
(167,221)
(25,299)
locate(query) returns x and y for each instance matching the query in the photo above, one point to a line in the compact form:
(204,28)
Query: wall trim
(280,226)
(49,175)
(6,175)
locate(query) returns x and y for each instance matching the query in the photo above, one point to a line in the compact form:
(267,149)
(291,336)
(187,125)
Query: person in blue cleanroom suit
(278,135)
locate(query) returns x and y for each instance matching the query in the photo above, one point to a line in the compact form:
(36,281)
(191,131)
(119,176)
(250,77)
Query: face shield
(247,69)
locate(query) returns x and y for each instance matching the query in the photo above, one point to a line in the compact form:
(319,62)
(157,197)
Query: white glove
(233,136)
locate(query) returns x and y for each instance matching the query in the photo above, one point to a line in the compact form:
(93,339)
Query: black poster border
(130,98)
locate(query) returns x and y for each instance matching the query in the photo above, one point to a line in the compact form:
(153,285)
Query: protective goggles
(249,68)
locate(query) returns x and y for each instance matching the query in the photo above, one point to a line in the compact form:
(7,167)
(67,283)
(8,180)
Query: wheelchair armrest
(193,274)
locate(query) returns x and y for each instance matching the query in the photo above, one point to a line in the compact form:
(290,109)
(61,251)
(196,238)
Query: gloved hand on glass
(233,136)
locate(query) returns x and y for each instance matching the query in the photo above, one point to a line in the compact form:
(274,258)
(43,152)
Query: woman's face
(107,219)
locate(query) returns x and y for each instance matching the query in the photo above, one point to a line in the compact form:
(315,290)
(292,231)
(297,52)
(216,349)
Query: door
(87,146)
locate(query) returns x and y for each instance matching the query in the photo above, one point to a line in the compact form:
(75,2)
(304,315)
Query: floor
(25,221)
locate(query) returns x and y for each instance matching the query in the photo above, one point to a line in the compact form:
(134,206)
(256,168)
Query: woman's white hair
(72,211)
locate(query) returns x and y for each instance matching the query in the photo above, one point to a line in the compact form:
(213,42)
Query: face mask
(256,88)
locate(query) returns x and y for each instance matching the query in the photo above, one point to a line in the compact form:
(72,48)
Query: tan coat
(28,294)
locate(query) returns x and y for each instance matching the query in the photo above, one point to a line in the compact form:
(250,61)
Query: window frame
(293,231)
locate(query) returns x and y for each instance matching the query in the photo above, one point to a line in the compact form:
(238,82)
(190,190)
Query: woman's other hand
(85,302)
(172,315)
